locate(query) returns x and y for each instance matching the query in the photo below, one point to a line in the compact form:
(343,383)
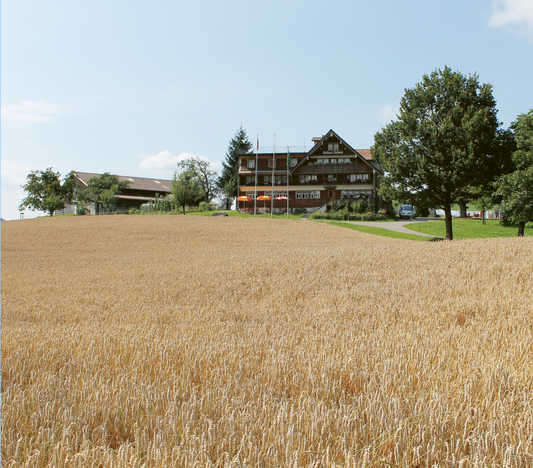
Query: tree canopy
(228,181)
(46,192)
(207,178)
(516,189)
(103,191)
(186,188)
(445,137)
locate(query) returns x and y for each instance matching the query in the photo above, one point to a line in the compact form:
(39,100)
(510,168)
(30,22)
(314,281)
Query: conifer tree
(228,182)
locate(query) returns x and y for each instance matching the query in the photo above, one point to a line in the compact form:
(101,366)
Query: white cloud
(13,176)
(31,111)
(515,14)
(387,113)
(166,163)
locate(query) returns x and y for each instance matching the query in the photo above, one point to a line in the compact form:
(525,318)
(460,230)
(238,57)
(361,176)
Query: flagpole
(288,164)
(255,199)
(273,177)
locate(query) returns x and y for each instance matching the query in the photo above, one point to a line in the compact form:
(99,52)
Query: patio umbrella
(264,197)
(281,198)
(244,198)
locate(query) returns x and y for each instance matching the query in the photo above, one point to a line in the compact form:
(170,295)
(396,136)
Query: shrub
(81,208)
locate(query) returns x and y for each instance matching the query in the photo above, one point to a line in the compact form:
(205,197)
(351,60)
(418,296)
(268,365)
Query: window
(333,161)
(307,195)
(333,147)
(320,161)
(294,162)
(251,163)
(308,179)
(251,195)
(325,161)
(250,180)
(281,180)
(271,163)
(267,179)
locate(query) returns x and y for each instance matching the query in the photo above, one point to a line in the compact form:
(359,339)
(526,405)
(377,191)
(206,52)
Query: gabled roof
(365,154)
(135,183)
(328,134)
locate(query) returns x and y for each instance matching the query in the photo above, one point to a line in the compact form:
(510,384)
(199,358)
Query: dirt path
(398,226)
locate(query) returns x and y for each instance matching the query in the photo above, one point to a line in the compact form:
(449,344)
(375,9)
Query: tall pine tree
(228,182)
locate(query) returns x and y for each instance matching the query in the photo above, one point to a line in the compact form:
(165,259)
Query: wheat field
(172,341)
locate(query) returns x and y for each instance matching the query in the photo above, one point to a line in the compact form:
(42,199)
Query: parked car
(406,211)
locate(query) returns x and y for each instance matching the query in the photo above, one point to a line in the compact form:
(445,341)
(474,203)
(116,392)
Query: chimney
(315,140)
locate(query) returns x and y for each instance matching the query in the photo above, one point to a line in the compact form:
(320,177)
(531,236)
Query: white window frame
(251,163)
(333,147)
(272,163)
(294,162)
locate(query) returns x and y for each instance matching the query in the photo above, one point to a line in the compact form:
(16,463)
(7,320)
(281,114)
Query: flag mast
(255,198)
(288,164)
(273,177)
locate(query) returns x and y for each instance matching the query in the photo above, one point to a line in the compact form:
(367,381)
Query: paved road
(398,226)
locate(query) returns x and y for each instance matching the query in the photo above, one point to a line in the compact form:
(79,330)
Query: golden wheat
(184,341)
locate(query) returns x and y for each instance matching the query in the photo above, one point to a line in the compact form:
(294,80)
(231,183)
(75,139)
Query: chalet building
(140,190)
(330,172)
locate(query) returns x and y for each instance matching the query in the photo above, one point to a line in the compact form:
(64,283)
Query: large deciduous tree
(103,191)
(46,192)
(445,135)
(186,189)
(516,189)
(228,181)
(207,178)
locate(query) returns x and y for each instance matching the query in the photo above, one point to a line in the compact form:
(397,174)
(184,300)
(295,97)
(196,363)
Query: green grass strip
(377,231)
(470,229)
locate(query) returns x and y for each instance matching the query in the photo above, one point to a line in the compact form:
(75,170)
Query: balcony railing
(333,169)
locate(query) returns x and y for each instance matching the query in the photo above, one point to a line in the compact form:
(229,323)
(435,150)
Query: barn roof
(135,183)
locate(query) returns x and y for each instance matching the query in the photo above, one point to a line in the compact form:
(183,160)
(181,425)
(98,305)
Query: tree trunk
(184,209)
(521,227)
(482,217)
(462,208)
(449,229)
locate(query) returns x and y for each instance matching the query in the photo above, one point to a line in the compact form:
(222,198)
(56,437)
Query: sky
(132,87)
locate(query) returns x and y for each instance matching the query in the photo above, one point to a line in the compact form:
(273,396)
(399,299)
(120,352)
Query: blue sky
(131,87)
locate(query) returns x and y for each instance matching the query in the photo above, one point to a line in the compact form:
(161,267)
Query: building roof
(135,183)
(365,153)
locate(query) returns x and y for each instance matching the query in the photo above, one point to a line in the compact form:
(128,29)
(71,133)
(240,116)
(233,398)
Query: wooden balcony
(333,169)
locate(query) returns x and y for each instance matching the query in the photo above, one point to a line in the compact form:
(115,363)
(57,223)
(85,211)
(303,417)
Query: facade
(141,190)
(330,172)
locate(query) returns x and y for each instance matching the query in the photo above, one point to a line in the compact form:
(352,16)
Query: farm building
(140,190)
(331,171)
